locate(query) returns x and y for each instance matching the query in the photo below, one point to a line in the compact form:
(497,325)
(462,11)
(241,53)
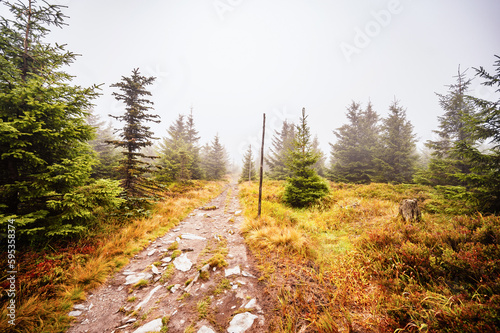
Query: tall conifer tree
(45,159)
(483,126)
(397,147)
(446,166)
(179,151)
(173,149)
(304,187)
(216,160)
(354,155)
(248,172)
(135,135)
(192,140)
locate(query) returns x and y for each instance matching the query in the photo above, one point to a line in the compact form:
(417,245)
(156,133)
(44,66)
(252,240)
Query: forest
(80,195)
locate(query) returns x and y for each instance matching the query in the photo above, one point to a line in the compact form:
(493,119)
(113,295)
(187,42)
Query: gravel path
(199,277)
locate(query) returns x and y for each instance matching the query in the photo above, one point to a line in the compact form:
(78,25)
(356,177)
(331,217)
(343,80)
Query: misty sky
(232,60)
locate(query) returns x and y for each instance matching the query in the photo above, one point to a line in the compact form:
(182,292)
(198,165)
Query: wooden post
(261,164)
(250,167)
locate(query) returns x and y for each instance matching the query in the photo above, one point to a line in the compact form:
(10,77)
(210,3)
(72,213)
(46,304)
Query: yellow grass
(308,256)
(349,264)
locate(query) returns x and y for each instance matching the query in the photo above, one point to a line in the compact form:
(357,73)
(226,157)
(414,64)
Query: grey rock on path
(152,326)
(187,292)
(241,322)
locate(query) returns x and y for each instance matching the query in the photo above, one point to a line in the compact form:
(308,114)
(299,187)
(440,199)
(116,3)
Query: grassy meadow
(49,282)
(349,264)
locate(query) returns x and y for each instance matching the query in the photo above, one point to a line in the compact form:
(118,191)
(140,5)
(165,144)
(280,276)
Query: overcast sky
(233,60)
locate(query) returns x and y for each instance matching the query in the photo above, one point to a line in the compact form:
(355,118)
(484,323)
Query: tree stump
(409,211)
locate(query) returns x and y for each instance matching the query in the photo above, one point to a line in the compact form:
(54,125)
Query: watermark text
(11,271)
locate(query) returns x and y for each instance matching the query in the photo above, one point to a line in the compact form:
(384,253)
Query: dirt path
(194,292)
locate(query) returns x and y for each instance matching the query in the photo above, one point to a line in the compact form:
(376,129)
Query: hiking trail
(181,281)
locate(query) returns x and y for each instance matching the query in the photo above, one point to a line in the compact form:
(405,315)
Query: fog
(233,60)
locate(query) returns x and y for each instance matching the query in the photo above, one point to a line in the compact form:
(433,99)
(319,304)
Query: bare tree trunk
(261,164)
(409,211)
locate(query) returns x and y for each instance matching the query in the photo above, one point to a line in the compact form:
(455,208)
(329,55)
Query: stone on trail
(205,268)
(238,212)
(246,274)
(146,300)
(241,322)
(205,329)
(175,288)
(232,271)
(183,263)
(251,304)
(78,307)
(150,253)
(128,320)
(74,313)
(192,237)
(152,326)
(155,270)
(133,279)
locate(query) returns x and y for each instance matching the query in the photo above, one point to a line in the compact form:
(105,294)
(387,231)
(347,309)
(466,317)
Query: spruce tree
(45,159)
(215,160)
(172,150)
(276,160)
(354,155)
(135,135)
(304,187)
(452,125)
(397,147)
(449,164)
(179,152)
(192,140)
(248,173)
(483,127)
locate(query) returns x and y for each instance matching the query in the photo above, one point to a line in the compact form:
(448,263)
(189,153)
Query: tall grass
(349,264)
(49,282)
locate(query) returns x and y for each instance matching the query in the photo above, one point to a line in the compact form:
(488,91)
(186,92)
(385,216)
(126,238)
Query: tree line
(464,159)
(61,168)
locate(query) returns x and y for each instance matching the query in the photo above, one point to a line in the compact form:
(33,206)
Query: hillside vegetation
(50,281)
(349,264)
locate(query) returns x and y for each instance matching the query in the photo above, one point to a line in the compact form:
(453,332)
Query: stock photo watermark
(159,73)
(222,7)
(363,36)
(11,271)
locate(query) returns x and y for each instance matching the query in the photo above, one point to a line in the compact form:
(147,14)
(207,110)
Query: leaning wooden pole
(261,164)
